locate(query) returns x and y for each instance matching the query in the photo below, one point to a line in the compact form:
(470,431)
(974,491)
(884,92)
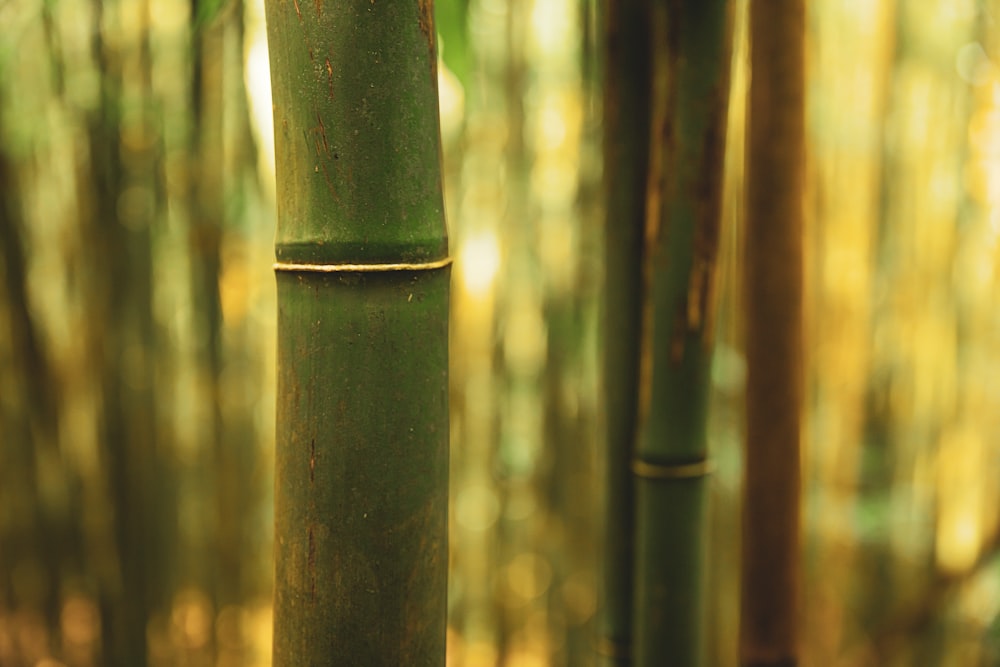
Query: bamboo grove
(710,382)
(352,242)
(665,141)
(128,473)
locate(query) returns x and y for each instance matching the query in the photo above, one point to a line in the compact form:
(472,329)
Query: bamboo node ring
(361,268)
(665,471)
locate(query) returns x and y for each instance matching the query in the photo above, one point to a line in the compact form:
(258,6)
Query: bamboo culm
(626,156)
(362,266)
(690,91)
(773,302)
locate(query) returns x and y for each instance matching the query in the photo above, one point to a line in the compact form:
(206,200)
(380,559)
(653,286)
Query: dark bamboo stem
(771,533)
(691,63)
(626,156)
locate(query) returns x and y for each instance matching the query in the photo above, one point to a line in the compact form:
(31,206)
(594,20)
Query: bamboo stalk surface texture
(691,62)
(626,156)
(362,276)
(773,301)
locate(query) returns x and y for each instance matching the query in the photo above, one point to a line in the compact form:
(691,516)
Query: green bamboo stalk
(362,424)
(691,62)
(773,301)
(626,158)
(120,287)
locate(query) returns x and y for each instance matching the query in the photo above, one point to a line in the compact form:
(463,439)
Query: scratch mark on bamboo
(697,280)
(658,181)
(319,8)
(702,278)
(329,77)
(311,563)
(329,183)
(312,461)
(425,17)
(298,12)
(645,390)
(321,128)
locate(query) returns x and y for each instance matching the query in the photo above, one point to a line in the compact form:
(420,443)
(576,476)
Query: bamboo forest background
(137,333)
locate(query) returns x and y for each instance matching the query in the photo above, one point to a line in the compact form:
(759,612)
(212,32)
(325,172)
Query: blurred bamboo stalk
(106,167)
(690,94)
(361,477)
(843,401)
(38,532)
(626,158)
(122,133)
(773,301)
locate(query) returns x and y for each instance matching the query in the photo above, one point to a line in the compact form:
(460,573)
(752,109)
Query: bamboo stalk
(626,158)
(691,62)
(362,424)
(773,298)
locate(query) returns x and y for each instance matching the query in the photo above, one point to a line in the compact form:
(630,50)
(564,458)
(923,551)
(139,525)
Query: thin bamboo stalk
(773,301)
(691,63)
(362,423)
(120,302)
(626,158)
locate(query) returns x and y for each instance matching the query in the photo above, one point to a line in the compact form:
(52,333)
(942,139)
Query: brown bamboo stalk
(773,301)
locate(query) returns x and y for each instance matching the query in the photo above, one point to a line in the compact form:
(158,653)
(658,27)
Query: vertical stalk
(362,273)
(205,239)
(39,535)
(626,157)
(691,62)
(122,341)
(771,530)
